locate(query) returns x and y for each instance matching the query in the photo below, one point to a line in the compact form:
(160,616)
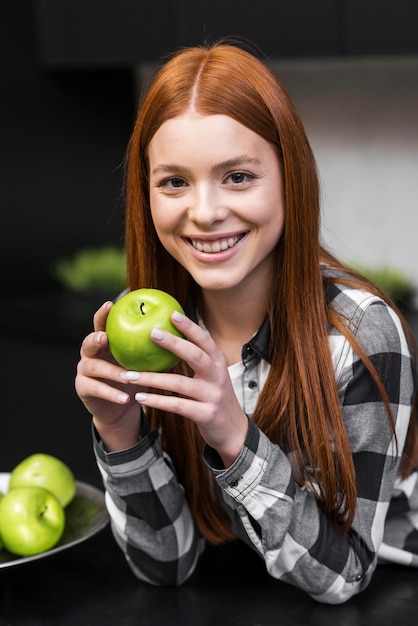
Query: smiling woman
(289,422)
(230,208)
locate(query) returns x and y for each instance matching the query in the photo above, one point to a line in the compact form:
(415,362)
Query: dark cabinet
(382,27)
(114,33)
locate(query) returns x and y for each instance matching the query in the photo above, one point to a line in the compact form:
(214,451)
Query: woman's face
(216,197)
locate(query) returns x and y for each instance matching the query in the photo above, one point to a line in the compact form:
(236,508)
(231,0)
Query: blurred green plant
(97,269)
(392,281)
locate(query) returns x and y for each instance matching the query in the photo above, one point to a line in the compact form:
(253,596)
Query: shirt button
(248,349)
(253,384)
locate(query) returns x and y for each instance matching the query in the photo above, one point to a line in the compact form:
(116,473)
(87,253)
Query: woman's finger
(99,318)
(198,349)
(195,333)
(93,389)
(177,384)
(93,344)
(188,408)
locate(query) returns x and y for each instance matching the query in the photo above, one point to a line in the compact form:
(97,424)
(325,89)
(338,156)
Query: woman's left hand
(208,399)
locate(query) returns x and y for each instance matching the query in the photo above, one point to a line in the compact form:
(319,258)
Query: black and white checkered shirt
(280,519)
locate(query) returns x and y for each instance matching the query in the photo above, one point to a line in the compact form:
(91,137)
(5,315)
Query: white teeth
(216,246)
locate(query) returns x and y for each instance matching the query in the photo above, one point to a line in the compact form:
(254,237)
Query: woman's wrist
(230,450)
(119,436)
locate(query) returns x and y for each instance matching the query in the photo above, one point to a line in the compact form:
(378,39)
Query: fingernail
(123,398)
(130,375)
(99,337)
(157,334)
(177,316)
(141,397)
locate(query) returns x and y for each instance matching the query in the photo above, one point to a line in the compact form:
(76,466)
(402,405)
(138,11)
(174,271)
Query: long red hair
(299,406)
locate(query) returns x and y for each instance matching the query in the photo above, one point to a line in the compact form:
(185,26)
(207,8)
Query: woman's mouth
(218,245)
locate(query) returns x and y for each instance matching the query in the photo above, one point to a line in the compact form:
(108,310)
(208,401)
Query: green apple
(44,470)
(129,324)
(32,520)
(1,543)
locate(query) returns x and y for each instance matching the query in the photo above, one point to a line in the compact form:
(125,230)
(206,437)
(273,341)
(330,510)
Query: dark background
(68,80)
(67,76)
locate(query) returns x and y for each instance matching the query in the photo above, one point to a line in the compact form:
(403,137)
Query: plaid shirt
(269,510)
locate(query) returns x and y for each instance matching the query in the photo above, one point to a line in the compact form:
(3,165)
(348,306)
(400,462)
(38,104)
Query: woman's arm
(149,514)
(282,520)
(150,518)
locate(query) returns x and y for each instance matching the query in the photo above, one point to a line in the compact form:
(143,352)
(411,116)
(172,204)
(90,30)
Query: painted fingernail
(141,397)
(157,334)
(123,398)
(177,316)
(130,375)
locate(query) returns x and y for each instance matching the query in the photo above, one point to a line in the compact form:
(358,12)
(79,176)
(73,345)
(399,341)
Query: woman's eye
(176,182)
(238,178)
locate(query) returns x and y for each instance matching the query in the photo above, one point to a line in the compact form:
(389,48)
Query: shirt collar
(258,347)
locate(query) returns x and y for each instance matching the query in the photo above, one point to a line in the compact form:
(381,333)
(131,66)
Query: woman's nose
(206,207)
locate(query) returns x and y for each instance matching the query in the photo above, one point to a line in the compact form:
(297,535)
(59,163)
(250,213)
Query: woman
(288,422)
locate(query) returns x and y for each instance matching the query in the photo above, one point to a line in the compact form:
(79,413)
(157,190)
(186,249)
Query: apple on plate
(129,325)
(47,471)
(1,542)
(32,520)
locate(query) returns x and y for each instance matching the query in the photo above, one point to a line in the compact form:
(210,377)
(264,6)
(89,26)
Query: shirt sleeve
(281,519)
(150,517)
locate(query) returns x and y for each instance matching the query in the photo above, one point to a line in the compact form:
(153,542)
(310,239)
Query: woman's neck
(232,319)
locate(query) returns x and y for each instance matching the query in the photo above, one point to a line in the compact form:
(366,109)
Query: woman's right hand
(101,385)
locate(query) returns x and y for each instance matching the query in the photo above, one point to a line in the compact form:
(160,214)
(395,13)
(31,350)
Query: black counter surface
(91,584)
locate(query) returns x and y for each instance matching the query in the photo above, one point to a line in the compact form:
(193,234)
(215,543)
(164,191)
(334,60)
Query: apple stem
(141,309)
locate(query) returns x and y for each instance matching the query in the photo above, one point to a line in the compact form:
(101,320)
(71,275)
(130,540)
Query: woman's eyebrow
(167,168)
(238,161)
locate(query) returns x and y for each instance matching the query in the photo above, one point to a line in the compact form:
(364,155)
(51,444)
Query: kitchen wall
(361,115)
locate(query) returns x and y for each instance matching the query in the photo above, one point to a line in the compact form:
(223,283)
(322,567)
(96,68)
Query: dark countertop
(91,584)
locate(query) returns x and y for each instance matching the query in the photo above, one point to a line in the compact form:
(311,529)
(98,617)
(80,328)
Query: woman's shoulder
(368,317)
(348,296)
(356,313)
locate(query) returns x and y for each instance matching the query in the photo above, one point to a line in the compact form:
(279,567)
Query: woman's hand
(105,390)
(208,398)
